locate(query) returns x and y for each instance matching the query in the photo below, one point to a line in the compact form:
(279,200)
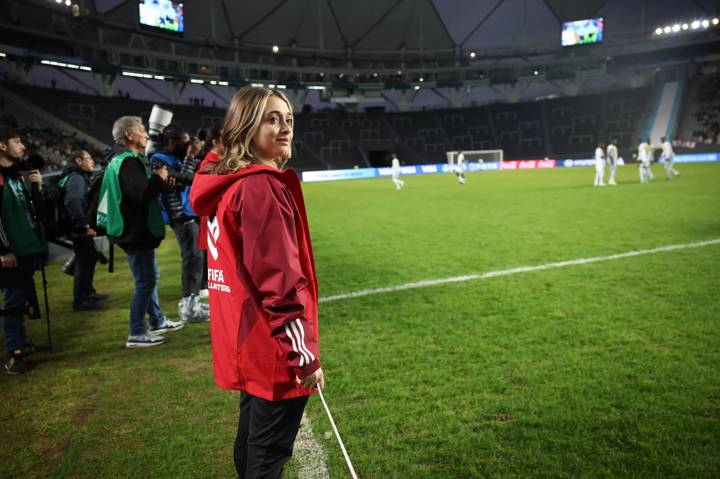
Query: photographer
(75,183)
(23,245)
(179,154)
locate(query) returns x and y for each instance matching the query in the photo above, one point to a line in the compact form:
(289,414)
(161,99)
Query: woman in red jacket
(261,279)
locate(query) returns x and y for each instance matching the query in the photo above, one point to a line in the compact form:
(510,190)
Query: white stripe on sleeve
(303,358)
(302,341)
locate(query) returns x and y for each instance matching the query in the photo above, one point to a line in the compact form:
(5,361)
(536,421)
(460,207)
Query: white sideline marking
(520,269)
(309,454)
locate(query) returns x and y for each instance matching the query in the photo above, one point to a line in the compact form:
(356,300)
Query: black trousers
(266,433)
(85,260)
(204,279)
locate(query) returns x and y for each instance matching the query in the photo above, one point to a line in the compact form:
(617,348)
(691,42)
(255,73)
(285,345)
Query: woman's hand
(312,381)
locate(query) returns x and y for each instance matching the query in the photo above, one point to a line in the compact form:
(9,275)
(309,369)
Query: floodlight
(658,31)
(695,25)
(667,29)
(275,48)
(685,26)
(705,23)
(676,28)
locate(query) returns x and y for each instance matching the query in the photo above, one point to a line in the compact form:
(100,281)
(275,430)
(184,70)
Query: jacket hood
(72,168)
(114,151)
(208,189)
(12,171)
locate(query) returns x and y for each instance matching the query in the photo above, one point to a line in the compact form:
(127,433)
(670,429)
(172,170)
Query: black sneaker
(97,297)
(87,305)
(16,364)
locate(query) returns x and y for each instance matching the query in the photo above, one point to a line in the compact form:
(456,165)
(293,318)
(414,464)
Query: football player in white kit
(668,155)
(396,173)
(599,165)
(612,160)
(644,161)
(460,169)
(650,158)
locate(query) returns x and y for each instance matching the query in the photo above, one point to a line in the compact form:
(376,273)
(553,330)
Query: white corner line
(309,454)
(520,269)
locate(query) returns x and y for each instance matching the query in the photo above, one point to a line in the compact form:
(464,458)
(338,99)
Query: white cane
(337,434)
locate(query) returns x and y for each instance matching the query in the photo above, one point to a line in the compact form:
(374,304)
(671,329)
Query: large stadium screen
(162,14)
(581,32)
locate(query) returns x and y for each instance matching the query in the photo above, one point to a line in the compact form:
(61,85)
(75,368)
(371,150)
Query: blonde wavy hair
(242,121)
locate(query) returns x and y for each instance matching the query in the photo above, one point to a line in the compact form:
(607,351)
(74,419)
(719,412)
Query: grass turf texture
(603,370)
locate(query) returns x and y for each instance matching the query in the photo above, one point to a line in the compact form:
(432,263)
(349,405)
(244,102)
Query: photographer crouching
(23,246)
(75,183)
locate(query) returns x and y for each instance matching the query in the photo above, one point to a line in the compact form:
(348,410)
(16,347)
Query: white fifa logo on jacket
(213,234)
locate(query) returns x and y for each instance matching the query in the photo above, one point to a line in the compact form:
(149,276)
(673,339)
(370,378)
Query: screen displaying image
(581,32)
(163,14)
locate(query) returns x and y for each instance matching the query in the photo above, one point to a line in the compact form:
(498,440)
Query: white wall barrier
(360,173)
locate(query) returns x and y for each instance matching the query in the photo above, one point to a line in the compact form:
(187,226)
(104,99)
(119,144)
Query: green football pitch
(609,368)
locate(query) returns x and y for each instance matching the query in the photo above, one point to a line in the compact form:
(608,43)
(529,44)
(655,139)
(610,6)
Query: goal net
(475,156)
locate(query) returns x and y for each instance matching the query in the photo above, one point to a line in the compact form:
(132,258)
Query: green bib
(109,214)
(25,235)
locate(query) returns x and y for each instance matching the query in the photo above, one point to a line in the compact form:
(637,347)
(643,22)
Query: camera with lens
(159,119)
(32,162)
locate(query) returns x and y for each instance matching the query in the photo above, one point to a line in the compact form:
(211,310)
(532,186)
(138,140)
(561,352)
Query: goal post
(475,156)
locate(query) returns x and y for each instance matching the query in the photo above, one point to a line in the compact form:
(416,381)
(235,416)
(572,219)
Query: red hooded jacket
(261,279)
(206,164)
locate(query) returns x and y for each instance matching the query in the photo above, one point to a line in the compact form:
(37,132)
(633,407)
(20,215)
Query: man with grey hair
(129,210)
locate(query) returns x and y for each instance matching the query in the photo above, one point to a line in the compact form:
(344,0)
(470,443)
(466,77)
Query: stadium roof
(403,26)
(387,43)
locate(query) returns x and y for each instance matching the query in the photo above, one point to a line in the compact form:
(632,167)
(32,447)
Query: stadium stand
(55,146)
(469,128)
(335,138)
(708,113)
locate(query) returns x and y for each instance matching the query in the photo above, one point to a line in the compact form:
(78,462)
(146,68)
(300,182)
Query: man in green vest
(129,210)
(23,246)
